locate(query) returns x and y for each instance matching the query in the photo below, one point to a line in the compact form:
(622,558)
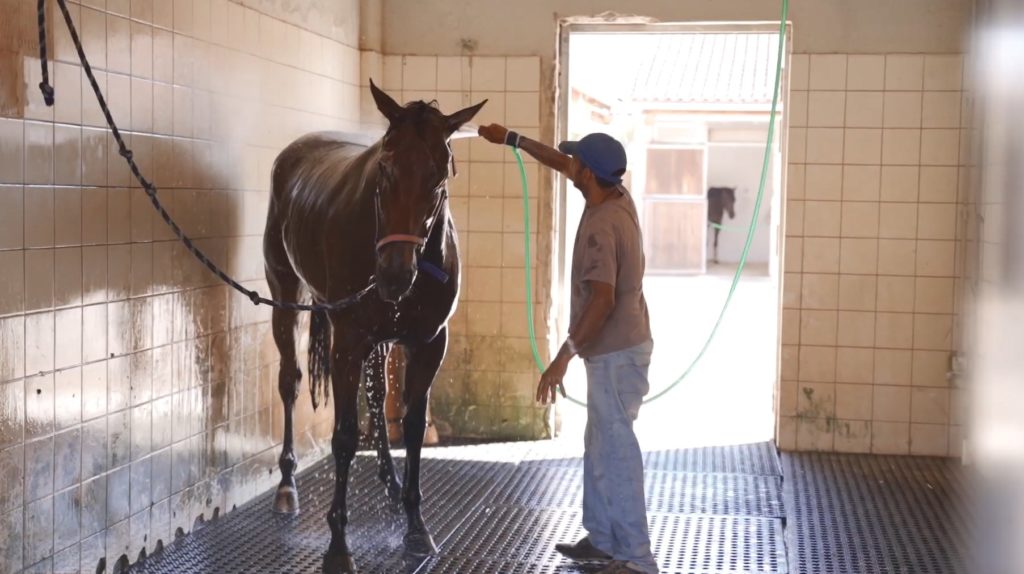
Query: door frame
(567,26)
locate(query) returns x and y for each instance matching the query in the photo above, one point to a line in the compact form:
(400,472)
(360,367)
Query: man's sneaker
(582,551)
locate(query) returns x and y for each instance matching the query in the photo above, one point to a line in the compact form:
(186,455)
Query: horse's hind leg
(376,394)
(284,286)
(424,360)
(717,231)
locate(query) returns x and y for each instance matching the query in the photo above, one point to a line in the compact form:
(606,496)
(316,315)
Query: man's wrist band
(572,346)
(512,138)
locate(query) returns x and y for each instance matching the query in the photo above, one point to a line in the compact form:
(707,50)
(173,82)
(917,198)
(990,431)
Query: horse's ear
(456,120)
(385,103)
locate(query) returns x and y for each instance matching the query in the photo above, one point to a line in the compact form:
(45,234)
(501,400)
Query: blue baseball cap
(601,153)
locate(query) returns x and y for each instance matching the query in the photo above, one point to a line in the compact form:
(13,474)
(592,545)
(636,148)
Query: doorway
(692,105)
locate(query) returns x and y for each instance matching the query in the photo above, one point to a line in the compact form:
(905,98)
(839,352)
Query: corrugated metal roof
(706,68)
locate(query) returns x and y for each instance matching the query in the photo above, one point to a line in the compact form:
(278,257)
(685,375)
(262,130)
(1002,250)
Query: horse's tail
(319,357)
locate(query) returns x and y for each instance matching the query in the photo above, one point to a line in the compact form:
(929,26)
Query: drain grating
(671,492)
(859,514)
(682,543)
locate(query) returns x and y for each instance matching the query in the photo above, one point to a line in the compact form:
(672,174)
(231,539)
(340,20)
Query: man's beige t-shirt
(610,248)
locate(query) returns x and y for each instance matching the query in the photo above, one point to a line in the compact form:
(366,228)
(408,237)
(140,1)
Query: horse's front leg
(423,362)
(346,366)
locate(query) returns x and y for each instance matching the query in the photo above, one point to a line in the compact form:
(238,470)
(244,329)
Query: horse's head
(414,164)
(729,201)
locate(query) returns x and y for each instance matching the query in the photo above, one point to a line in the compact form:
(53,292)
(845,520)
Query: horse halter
(408,237)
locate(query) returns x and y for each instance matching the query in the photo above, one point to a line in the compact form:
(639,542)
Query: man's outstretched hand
(494,133)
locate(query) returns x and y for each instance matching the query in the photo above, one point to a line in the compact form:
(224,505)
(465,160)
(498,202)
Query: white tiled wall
(875,174)
(137,393)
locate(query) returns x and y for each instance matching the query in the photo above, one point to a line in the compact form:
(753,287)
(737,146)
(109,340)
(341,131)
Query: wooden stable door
(675,209)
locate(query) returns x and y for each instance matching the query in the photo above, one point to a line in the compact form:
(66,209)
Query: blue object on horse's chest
(433,270)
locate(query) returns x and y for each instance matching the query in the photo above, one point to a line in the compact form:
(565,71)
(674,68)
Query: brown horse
(341,215)
(720,199)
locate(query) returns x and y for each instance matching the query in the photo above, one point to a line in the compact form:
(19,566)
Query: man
(610,330)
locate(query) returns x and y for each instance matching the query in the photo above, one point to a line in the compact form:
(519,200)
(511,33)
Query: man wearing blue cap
(610,329)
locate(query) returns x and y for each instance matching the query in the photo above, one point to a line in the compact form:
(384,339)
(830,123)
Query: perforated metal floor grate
(858,514)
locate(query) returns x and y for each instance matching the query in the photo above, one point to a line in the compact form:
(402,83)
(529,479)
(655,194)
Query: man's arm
(596,311)
(546,155)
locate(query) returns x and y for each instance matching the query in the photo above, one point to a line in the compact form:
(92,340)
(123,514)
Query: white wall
(739,166)
(137,392)
(529,26)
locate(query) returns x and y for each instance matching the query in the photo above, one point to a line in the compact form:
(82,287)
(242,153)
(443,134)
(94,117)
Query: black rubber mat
(254,539)
(860,514)
(671,492)
(756,459)
(682,543)
(501,508)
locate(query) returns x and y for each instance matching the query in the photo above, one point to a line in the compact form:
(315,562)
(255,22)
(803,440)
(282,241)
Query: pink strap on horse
(401,238)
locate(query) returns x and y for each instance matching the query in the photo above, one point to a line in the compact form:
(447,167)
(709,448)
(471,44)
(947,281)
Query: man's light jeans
(614,512)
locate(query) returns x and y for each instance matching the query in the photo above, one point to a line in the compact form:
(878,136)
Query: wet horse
(341,214)
(721,200)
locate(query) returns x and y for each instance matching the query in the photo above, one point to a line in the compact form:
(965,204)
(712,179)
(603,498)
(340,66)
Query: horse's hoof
(339,564)
(286,501)
(420,543)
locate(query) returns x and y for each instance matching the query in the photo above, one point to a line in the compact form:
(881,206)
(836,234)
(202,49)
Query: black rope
(151,191)
(44,86)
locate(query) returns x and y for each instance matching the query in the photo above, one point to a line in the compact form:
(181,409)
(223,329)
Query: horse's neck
(362,192)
